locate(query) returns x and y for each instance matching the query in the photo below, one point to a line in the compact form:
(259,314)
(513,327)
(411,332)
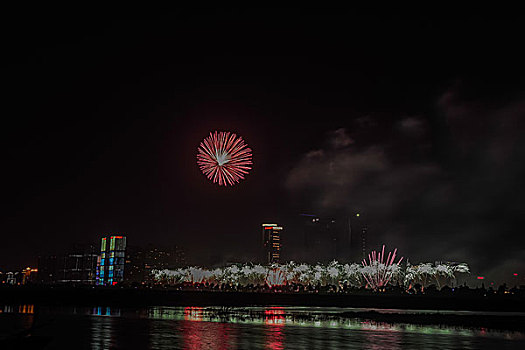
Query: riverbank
(96,296)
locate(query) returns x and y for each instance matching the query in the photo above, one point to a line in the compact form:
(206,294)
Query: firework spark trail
(275,277)
(224,158)
(376,271)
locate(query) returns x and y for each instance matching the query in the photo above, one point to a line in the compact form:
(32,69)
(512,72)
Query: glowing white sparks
(375,274)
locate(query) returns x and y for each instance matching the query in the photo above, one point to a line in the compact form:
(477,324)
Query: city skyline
(416,123)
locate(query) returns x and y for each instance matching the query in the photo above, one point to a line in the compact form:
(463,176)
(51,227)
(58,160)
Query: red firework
(378,272)
(224,158)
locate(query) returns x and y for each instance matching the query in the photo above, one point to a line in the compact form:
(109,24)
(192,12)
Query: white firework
(375,274)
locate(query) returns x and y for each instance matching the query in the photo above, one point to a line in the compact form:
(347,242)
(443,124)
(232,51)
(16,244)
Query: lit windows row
(111,262)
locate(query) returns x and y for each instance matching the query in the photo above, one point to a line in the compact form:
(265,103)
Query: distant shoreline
(115,296)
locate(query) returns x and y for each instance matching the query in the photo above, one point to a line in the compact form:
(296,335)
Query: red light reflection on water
(380,335)
(193,313)
(274,317)
(204,335)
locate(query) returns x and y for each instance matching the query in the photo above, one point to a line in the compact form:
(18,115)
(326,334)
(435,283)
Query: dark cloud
(412,126)
(340,138)
(466,206)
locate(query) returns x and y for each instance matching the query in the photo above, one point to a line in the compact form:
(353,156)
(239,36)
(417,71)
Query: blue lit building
(111,261)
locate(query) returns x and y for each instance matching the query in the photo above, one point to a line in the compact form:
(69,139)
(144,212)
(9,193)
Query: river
(237,328)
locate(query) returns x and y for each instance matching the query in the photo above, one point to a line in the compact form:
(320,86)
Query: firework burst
(275,277)
(224,158)
(378,271)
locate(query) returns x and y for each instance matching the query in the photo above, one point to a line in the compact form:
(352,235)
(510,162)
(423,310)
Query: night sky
(415,121)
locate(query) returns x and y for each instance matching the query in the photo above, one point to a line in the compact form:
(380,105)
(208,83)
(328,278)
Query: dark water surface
(236,328)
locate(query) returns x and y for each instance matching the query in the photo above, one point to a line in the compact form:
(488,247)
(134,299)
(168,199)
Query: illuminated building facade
(29,275)
(111,261)
(271,239)
(77,266)
(11,278)
(141,261)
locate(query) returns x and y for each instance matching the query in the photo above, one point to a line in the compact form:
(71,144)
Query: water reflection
(193,313)
(211,336)
(20,309)
(218,328)
(381,337)
(274,319)
(101,332)
(307,317)
(215,336)
(105,311)
(274,316)
(16,325)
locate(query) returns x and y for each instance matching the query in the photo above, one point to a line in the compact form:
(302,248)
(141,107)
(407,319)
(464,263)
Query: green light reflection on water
(295,317)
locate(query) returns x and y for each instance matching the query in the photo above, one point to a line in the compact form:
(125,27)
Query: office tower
(77,266)
(271,240)
(47,269)
(357,223)
(140,262)
(29,275)
(111,261)
(323,238)
(364,230)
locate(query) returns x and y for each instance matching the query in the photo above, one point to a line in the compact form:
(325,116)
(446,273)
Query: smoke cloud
(447,186)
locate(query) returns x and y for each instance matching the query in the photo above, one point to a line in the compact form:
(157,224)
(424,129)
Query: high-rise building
(141,261)
(111,261)
(77,266)
(322,239)
(29,275)
(364,230)
(358,232)
(47,269)
(271,240)
(11,278)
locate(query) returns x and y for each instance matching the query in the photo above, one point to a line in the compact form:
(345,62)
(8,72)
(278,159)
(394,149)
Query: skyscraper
(77,266)
(141,261)
(111,261)
(29,275)
(323,238)
(357,223)
(364,230)
(271,240)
